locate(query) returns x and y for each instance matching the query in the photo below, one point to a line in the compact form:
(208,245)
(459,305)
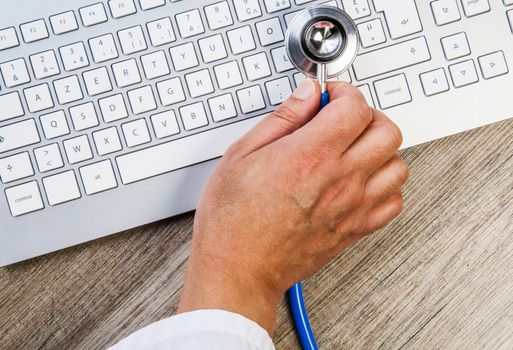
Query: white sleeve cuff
(202,329)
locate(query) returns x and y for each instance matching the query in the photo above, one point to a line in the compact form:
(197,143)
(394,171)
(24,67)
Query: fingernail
(305,90)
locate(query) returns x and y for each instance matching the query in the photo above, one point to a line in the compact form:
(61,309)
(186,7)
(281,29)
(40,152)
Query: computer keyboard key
(48,158)
(103,48)
(434,82)
(15,167)
(445,11)
(391,58)
(463,73)
(136,133)
(44,64)
(493,65)
(201,147)
(64,22)
(61,188)
(256,66)
(142,100)
(78,149)
(184,57)
(228,75)
(509,14)
(155,65)
(122,8)
(402,17)
(247,9)
(194,116)
(251,99)
(132,40)
(11,106)
(218,15)
(126,73)
(270,32)
(272,6)
(222,107)
(84,116)
(475,7)
(151,4)
(68,90)
(199,83)
(366,92)
(278,90)
(241,40)
(8,38)
(34,31)
(212,48)
(161,31)
(98,177)
(54,124)
(97,81)
(371,33)
(74,56)
(93,14)
(393,91)
(38,98)
(165,124)
(455,46)
(281,60)
(289,16)
(15,73)
(18,135)
(356,8)
(107,141)
(190,23)
(113,108)
(24,199)
(170,91)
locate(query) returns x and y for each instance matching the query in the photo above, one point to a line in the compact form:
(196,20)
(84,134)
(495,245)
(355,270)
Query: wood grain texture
(439,277)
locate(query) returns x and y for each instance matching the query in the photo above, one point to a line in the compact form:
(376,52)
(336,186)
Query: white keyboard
(112,113)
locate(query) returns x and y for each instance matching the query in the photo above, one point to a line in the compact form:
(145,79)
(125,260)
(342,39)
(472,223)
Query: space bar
(181,153)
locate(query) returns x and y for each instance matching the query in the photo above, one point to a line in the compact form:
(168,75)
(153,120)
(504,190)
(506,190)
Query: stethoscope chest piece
(322,40)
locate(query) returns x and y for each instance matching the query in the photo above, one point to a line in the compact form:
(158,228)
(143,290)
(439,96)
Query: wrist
(215,283)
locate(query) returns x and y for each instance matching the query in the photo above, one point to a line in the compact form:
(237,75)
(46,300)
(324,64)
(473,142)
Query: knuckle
(402,171)
(394,135)
(397,203)
(360,108)
(350,112)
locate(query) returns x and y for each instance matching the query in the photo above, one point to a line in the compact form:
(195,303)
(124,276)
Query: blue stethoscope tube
(295,294)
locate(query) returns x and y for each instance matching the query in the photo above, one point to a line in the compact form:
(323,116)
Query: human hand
(290,196)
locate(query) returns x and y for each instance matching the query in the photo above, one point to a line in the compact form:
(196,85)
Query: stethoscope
(322,42)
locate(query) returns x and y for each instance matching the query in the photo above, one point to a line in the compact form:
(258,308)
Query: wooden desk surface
(440,277)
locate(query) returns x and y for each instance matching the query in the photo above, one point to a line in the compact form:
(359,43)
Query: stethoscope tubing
(296,297)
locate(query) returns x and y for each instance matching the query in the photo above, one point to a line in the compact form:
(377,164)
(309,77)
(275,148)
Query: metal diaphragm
(322,35)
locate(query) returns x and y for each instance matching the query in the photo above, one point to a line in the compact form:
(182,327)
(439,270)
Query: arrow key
(493,65)
(434,82)
(463,73)
(48,158)
(455,46)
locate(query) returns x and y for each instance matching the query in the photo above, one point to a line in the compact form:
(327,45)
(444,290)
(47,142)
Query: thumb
(291,115)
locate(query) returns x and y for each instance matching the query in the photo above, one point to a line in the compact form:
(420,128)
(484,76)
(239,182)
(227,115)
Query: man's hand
(290,196)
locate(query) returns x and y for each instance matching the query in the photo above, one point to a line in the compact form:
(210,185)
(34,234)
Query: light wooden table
(440,277)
